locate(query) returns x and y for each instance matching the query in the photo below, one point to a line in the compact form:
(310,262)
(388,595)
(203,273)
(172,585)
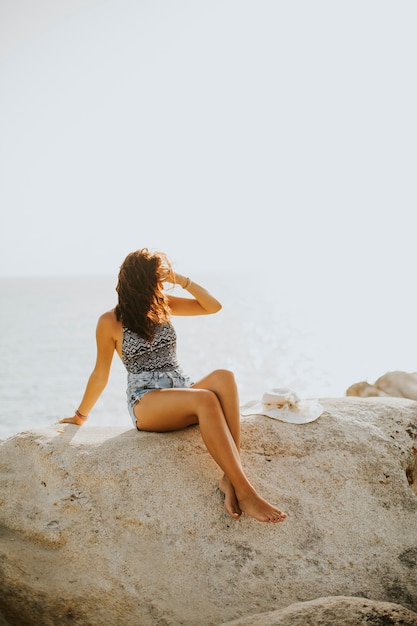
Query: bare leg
(223,384)
(172,409)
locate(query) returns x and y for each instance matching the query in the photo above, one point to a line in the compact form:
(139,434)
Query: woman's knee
(224,378)
(219,381)
(207,400)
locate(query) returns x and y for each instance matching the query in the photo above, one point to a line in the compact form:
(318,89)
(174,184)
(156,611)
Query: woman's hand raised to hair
(179,279)
(167,275)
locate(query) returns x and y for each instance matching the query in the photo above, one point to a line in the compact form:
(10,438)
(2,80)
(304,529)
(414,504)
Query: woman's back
(159,354)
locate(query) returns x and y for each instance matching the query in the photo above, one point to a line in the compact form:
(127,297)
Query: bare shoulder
(109,317)
(108,321)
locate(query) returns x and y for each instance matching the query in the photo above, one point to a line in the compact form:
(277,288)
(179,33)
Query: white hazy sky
(229,133)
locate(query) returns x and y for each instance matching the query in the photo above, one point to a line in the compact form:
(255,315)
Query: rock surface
(105,526)
(334,610)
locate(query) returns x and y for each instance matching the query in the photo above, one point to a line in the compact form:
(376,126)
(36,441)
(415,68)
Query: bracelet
(80,416)
(188,282)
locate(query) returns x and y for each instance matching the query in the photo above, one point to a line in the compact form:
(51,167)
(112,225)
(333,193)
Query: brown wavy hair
(142,303)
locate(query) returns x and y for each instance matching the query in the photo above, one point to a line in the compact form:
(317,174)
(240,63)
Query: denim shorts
(141,383)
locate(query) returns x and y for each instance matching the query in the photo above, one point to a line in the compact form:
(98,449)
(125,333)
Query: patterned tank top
(158,355)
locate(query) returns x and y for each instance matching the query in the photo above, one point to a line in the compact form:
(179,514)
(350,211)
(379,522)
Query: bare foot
(230,501)
(255,506)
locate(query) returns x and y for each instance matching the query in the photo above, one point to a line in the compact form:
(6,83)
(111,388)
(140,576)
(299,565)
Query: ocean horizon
(268,335)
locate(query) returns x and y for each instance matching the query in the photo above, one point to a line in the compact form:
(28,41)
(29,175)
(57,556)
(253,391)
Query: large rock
(112,526)
(333,610)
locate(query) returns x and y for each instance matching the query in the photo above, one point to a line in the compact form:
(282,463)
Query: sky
(264,136)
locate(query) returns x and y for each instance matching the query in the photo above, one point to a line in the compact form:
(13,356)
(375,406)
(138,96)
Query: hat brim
(303,412)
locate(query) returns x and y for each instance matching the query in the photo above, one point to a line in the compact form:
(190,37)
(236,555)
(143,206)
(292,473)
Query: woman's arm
(99,376)
(203,303)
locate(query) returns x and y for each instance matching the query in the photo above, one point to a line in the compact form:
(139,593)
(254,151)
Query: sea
(269,333)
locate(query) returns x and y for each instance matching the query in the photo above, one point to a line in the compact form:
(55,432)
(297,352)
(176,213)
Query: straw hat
(284,404)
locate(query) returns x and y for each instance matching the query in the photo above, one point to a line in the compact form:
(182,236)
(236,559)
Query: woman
(160,397)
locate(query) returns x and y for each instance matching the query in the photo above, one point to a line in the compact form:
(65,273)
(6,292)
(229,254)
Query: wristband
(188,282)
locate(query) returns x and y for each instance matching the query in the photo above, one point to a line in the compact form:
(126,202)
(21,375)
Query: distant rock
(105,526)
(396,384)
